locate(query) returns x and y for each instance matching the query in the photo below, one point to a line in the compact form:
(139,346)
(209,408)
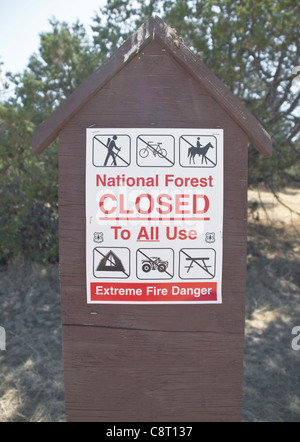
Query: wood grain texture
(168,379)
(152,362)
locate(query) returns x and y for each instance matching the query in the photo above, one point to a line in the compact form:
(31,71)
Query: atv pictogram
(154,263)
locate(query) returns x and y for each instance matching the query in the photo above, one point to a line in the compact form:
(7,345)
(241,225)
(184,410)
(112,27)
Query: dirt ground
(31,373)
(271,367)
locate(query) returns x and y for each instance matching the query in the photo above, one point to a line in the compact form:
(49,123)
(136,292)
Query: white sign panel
(154,216)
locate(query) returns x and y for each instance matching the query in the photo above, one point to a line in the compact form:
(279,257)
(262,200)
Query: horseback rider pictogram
(195,149)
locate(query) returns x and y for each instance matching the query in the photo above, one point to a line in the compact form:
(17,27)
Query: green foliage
(65,60)
(28,184)
(28,192)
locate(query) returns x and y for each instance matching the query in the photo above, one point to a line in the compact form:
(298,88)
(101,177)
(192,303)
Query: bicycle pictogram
(154,149)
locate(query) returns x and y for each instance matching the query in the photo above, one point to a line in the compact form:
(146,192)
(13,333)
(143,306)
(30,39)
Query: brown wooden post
(137,362)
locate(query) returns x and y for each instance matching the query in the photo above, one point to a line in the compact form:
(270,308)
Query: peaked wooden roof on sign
(155,28)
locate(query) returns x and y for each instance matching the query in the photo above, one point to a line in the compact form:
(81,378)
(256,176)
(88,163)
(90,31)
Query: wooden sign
(153,166)
(154,216)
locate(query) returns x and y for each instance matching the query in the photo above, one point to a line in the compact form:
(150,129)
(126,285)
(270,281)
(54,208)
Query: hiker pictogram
(111,150)
(197,263)
(155,150)
(111,262)
(198,151)
(155,263)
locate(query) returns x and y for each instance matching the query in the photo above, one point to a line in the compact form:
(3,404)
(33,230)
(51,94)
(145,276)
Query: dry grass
(31,373)
(271,374)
